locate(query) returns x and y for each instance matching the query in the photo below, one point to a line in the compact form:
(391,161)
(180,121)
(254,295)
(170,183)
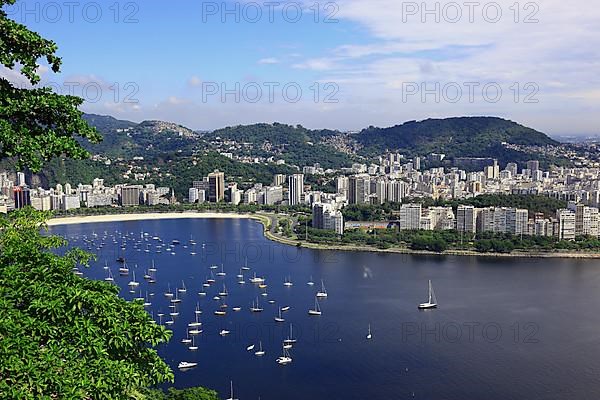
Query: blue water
(505,328)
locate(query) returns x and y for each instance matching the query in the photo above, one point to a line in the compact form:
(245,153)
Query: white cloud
(269,60)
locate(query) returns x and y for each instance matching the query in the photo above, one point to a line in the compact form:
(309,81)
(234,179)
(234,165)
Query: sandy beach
(145,216)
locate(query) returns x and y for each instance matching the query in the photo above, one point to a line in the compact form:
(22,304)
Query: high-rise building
(296,189)
(466,219)
(325,216)
(130,196)
(533,165)
(21,196)
(410,216)
(216,187)
(586,220)
(358,189)
(566,225)
(279,180)
(193,195)
(21,179)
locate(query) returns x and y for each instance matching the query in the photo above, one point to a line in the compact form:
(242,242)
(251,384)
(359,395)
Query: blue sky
(377,62)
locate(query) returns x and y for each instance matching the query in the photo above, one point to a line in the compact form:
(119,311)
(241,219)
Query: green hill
(455,137)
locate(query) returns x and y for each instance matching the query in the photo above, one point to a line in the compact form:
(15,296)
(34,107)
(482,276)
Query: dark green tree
(36,124)
(63,336)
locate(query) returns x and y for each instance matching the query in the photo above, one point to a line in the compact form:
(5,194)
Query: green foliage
(36,124)
(196,393)
(455,137)
(63,336)
(296,145)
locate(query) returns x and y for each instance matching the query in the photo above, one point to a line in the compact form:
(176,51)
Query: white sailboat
(323,292)
(195,323)
(316,310)
(260,352)
(134,283)
(231,395)
(222,271)
(290,339)
(153,268)
(224,292)
(187,339)
(310,282)
(432,301)
(288,282)
(255,307)
(193,347)
(182,289)
(198,310)
(369,335)
(109,277)
(168,293)
(279,318)
(250,348)
(176,299)
(285,358)
(224,332)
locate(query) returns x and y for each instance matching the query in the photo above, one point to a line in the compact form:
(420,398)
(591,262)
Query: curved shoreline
(266,221)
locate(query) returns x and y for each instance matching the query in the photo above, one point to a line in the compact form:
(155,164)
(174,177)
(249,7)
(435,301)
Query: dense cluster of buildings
(393,179)
(15,195)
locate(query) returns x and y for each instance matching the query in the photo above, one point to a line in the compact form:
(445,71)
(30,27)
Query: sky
(345,64)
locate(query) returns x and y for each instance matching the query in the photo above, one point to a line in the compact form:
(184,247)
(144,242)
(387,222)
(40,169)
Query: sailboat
(285,358)
(147,275)
(246,267)
(432,302)
(195,323)
(168,293)
(290,339)
(316,310)
(193,347)
(133,283)
(187,339)
(288,282)
(197,310)
(369,336)
(240,275)
(231,395)
(105,265)
(250,348)
(176,299)
(109,278)
(153,268)
(147,302)
(310,282)
(260,352)
(224,332)
(222,272)
(182,289)
(322,293)
(211,279)
(124,270)
(256,279)
(279,318)
(224,292)
(255,307)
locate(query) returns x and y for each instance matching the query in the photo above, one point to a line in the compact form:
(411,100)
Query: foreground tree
(63,336)
(36,124)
